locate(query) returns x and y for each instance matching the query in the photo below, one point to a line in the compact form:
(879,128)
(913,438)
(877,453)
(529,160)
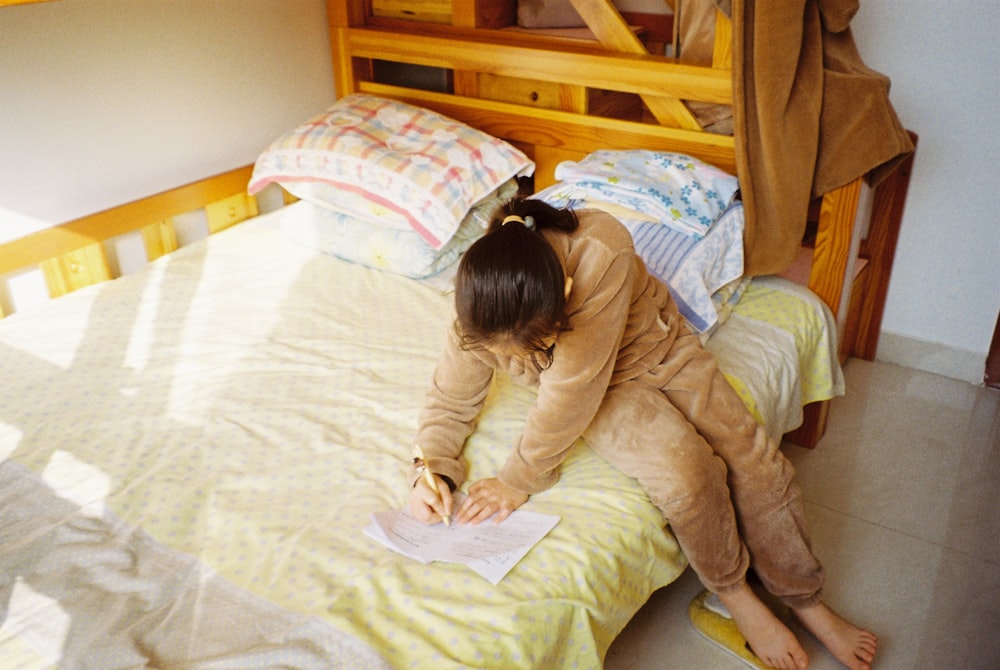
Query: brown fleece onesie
(638,386)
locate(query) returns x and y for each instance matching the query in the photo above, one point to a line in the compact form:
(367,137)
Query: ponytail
(510,286)
(541,215)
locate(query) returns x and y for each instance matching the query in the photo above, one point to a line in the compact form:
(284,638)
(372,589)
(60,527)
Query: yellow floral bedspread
(190,454)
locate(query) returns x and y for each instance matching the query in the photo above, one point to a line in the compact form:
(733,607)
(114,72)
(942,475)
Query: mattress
(778,349)
(191,453)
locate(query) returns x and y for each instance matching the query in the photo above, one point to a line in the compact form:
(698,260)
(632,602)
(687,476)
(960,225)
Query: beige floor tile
(903,500)
(914,452)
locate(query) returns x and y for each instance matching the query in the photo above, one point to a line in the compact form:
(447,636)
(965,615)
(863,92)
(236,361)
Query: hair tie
(528,221)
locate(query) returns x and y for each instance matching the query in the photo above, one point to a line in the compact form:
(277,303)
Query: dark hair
(510,286)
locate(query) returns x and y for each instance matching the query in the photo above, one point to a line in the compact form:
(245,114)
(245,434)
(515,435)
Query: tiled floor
(903,501)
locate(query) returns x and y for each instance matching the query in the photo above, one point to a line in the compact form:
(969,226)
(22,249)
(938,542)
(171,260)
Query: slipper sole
(722,630)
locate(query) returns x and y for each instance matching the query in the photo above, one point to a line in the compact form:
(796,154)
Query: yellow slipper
(712,621)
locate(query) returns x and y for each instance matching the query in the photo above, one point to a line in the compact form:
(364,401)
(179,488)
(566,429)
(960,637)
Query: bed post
(880,251)
(831,278)
(814,416)
(343,14)
(837,244)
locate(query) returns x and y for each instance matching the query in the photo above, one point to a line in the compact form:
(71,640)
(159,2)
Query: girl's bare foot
(769,639)
(852,646)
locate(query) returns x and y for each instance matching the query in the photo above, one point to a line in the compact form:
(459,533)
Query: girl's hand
(426,505)
(489,496)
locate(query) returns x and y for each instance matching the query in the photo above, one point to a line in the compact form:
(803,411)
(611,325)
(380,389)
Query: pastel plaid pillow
(403,166)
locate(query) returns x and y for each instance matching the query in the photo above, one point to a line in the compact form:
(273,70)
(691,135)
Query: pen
(422,464)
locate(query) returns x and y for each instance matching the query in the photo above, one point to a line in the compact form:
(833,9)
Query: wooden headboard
(555,97)
(558,97)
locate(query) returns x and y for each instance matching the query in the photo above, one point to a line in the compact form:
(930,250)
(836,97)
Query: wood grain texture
(70,237)
(880,251)
(832,259)
(76,269)
(563,130)
(527,59)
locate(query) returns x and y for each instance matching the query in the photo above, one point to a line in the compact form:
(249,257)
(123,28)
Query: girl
(562,302)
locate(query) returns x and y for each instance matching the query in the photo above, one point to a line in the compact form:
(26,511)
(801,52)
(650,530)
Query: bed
(192,451)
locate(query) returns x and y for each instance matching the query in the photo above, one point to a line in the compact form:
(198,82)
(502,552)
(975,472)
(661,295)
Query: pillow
(677,190)
(369,243)
(409,167)
(695,270)
(694,267)
(548,14)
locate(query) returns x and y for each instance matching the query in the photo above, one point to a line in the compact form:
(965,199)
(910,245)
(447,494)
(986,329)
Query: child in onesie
(560,301)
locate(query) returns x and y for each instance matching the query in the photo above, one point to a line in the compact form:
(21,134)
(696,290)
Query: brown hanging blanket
(810,116)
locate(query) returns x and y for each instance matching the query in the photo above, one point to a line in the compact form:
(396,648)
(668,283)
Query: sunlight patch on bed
(141,337)
(81,483)
(11,437)
(38,623)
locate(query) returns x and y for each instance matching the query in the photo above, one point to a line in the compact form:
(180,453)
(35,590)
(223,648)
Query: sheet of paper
(490,549)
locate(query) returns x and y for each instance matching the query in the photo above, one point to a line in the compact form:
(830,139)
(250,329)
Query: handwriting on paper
(490,549)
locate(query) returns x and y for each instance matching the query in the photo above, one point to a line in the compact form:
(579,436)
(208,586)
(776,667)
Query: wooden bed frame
(556,98)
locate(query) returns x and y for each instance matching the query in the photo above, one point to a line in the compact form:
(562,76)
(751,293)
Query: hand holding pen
(441,502)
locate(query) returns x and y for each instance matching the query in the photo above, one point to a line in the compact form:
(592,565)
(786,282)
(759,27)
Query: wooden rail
(73,255)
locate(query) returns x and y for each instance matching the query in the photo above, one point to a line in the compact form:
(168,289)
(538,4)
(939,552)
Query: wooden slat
(564,130)
(229,211)
(344,74)
(614,33)
(68,237)
(347,70)
(526,92)
(608,26)
(76,269)
(573,98)
(159,239)
(463,14)
(859,288)
(630,73)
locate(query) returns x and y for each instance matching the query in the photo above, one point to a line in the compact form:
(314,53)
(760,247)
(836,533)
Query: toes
(790,661)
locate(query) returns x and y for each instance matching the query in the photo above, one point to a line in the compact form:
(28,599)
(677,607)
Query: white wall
(944,63)
(104,101)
